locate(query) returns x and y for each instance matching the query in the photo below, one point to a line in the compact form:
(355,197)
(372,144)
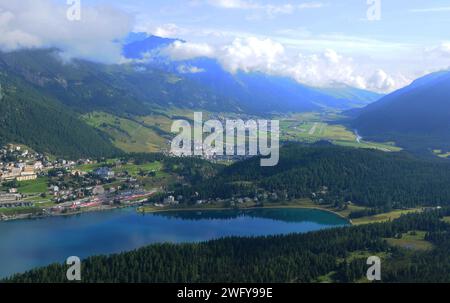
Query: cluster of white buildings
(25,168)
(17,163)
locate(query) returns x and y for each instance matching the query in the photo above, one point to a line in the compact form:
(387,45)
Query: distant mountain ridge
(271,93)
(38,87)
(137,44)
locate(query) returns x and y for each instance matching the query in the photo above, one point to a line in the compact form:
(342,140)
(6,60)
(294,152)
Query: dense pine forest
(339,254)
(365,177)
(44,124)
(415,117)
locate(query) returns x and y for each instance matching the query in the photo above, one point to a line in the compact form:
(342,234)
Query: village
(32,184)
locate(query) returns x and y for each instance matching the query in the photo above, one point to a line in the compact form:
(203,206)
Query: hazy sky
(315,42)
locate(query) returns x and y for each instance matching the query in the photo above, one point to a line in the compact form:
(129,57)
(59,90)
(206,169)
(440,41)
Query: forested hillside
(416,117)
(120,89)
(365,177)
(40,122)
(337,255)
(44,97)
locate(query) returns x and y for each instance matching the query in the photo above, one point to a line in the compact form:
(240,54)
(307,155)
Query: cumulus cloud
(189,69)
(251,54)
(169,30)
(44,23)
(247,54)
(330,69)
(181,51)
(381,81)
(442,50)
(324,69)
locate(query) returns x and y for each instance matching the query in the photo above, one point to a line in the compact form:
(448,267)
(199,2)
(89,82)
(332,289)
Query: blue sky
(316,42)
(408,41)
(408,21)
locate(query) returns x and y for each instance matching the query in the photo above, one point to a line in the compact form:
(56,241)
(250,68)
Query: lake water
(31,243)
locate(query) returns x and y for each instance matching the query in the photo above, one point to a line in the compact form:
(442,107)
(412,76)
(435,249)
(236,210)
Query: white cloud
(430,9)
(442,50)
(381,81)
(11,38)
(330,69)
(185,50)
(310,5)
(436,58)
(168,30)
(43,23)
(239,4)
(270,10)
(324,69)
(189,69)
(251,54)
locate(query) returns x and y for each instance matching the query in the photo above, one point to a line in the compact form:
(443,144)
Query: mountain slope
(354,97)
(416,117)
(29,118)
(81,85)
(120,89)
(139,44)
(43,98)
(365,177)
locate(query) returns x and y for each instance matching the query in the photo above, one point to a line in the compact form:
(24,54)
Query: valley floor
(152,133)
(314,127)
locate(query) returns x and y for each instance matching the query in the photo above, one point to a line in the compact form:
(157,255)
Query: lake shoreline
(139,208)
(155,210)
(70,214)
(29,244)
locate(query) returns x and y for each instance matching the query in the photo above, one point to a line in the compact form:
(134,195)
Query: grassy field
(152,133)
(159,121)
(395,214)
(20,211)
(134,169)
(141,133)
(442,154)
(414,240)
(313,127)
(126,134)
(89,167)
(40,185)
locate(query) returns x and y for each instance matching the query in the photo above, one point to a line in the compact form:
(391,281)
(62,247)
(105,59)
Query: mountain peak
(137,44)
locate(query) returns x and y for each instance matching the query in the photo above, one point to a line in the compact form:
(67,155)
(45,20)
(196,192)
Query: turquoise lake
(27,244)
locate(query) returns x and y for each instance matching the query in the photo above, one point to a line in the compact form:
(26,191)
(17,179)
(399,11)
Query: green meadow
(314,127)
